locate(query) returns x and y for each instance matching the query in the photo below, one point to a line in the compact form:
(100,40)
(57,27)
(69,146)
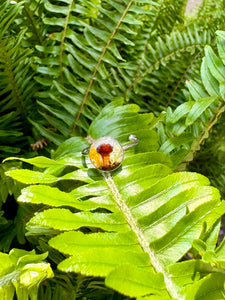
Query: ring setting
(106,153)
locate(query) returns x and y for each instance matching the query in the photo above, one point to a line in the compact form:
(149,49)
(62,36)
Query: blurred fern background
(66,63)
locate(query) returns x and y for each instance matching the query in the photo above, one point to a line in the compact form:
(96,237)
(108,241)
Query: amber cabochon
(106,154)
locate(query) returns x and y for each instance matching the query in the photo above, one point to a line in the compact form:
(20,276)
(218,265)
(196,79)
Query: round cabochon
(106,154)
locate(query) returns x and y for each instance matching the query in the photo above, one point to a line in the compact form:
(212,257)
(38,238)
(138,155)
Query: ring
(106,153)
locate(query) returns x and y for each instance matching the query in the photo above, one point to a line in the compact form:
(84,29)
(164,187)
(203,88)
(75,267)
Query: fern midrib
(158,267)
(99,63)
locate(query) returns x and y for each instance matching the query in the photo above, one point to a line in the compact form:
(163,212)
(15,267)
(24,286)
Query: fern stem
(158,267)
(100,61)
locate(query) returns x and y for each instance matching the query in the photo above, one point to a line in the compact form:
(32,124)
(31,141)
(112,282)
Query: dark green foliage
(86,54)
(15,85)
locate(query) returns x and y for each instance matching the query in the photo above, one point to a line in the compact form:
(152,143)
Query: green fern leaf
(198,108)
(210,83)
(215,64)
(142,218)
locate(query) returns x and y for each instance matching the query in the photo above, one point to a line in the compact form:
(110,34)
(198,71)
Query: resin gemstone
(106,154)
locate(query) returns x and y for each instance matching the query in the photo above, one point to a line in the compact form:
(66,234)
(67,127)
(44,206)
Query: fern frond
(98,42)
(98,52)
(142,218)
(197,116)
(175,54)
(92,52)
